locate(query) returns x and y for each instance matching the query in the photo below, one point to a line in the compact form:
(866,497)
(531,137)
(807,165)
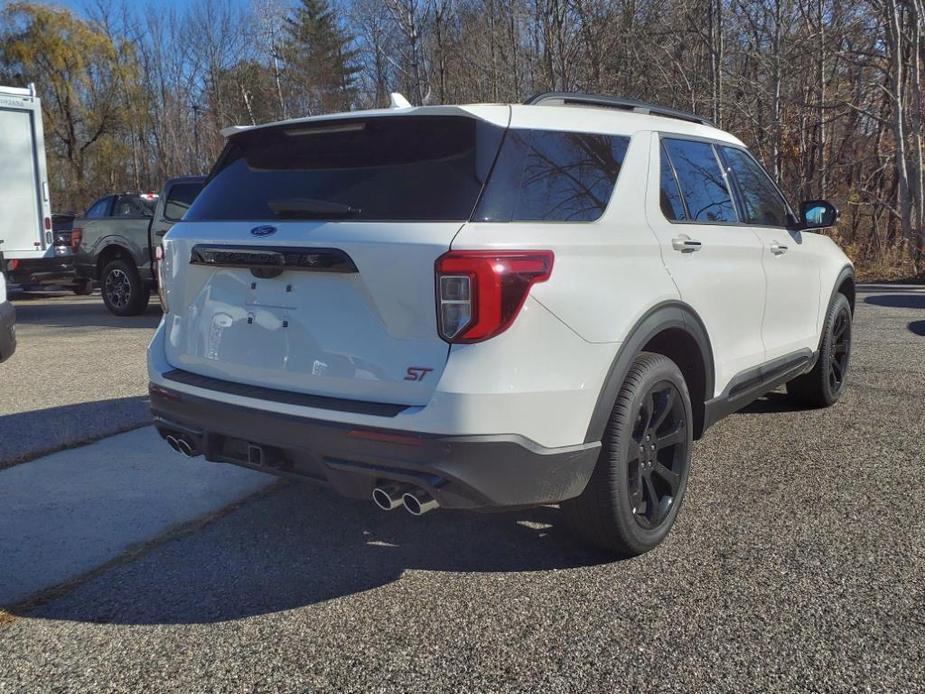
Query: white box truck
(27,251)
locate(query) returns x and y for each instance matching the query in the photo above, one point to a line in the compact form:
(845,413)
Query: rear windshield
(413,168)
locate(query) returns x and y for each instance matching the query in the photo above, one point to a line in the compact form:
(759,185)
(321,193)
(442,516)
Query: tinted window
(761,202)
(552,176)
(670,195)
(99,209)
(402,168)
(701,181)
(134,206)
(179,199)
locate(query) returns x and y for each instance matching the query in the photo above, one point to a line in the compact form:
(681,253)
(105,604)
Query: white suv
(492,306)
(7,320)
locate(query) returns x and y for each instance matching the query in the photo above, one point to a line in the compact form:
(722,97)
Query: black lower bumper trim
(41,270)
(7,330)
(459,471)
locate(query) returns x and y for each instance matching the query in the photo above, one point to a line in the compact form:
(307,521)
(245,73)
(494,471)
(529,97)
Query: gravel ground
(78,374)
(798,564)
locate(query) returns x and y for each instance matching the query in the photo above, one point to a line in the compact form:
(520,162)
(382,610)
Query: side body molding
(669,315)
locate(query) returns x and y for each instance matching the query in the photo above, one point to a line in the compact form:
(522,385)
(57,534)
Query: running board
(750,385)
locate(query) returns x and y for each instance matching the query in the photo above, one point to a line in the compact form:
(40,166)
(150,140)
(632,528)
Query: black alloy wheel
(658,451)
(633,497)
(825,383)
(841,350)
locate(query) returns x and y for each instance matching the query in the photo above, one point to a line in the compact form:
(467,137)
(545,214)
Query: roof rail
(567,98)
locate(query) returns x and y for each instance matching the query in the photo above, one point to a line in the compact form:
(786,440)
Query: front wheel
(123,291)
(636,489)
(824,385)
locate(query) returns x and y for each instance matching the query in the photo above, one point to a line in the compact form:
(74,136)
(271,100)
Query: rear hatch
(306,264)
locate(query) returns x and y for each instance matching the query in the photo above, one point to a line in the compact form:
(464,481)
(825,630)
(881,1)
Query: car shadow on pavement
(917,327)
(772,402)
(897,300)
(28,435)
(299,546)
(92,312)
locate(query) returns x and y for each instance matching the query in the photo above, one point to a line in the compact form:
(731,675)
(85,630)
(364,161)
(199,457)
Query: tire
(823,386)
(83,288)
(616,512)
(123,291)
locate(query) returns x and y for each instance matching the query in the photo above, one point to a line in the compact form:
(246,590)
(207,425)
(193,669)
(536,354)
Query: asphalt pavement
(78,374)
(797,564)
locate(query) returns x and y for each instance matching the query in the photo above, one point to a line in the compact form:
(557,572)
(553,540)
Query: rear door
(715,262)
(175,200)
(20,218)
(306,263)
(791,269)
(130,226)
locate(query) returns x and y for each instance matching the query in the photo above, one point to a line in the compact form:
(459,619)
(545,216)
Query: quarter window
(762,203)
(701,181)
(552,176)
(99,209)
(670,195)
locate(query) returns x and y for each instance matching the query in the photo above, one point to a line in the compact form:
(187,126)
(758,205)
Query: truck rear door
(20,203)
(175,200)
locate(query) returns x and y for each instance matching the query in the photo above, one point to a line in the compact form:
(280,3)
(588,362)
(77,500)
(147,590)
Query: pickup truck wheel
(636,489)
(123,291)
(824,385)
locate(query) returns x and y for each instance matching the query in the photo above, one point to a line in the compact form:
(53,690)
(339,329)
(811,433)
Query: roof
(554,111)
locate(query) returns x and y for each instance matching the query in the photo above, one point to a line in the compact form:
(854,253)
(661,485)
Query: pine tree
(321,63)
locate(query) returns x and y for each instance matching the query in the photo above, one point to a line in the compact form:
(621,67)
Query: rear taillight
(161,287)
(76,235)
(480,293)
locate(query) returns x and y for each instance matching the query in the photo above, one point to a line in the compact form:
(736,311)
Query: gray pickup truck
(114,242)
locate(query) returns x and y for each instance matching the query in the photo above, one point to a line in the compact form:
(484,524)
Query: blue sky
(80,6)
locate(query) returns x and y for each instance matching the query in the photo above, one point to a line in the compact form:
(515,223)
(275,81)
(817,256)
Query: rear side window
(701,180)
(408,168)
(99,209)
(552,176)
(179,199)
(670,194)
(133,206)
(762,203)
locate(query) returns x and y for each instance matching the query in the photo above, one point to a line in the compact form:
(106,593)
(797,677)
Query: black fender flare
(847,272)
(664,316)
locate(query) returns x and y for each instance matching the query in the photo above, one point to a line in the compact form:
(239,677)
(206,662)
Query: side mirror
(818,214)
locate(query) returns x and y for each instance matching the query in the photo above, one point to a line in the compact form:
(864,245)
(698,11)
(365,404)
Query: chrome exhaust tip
(184,447)
(388,497)
(172,442)
(419,503)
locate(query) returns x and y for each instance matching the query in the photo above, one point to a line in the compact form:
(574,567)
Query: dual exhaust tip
(181,445)
(416,502)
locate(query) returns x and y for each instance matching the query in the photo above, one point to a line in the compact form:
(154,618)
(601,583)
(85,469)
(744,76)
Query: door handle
(778,248)
(685,244)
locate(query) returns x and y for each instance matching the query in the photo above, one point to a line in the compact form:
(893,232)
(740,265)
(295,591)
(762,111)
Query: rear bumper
(494,471)
(7,330)
(41,270)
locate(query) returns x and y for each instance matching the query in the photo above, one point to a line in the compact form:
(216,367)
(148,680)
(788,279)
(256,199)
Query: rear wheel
(824,385)
(123,291)
(634,495)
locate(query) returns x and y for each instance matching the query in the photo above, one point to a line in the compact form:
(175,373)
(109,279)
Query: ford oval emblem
(265,230)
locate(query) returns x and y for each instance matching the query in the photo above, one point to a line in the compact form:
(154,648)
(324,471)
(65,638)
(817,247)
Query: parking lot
(797,564)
